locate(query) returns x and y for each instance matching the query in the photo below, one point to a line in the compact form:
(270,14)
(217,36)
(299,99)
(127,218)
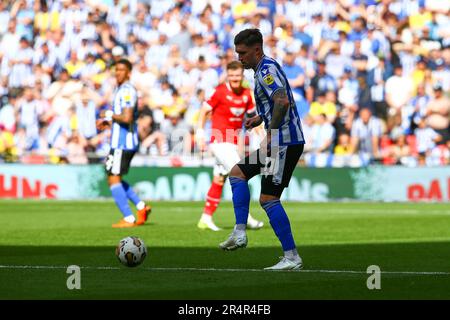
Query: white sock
(140,205)
(239,229)
(292,255)
(130,218)
(206,217)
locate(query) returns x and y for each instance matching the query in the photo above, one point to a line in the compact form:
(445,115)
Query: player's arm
(280,107)
(252,119)
(253,122)
(274,87)
(205,110)
(126,117)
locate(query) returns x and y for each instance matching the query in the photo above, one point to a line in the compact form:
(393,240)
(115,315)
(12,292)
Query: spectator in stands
(20,64)
(7,146)
(149,135)
(365,134)
(400,151)
(343,147)
(426,139)
(86,111)
(399,89)
(296,78)
(321,82)
(29,114)
(348,97)
(324,106)
(4,18)
(45,58)
(438,113)
(74,65)
(243,10)
(178,134)
(416,108)
(76,153)
(166,39)
(9,41)
(376,79)
(61,92)
(323,135)
(7,113)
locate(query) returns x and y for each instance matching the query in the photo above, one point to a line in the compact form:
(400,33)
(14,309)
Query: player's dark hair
(249,37)
(235,65)
(125,62)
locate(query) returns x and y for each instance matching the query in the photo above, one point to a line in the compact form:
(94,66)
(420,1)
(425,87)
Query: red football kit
(228,111)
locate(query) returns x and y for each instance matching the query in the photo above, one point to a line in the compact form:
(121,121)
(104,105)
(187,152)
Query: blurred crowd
(371,78)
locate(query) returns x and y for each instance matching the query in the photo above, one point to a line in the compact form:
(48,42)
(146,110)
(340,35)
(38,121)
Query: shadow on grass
(150,282)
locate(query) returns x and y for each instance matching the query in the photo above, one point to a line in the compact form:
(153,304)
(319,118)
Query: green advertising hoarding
(375,183)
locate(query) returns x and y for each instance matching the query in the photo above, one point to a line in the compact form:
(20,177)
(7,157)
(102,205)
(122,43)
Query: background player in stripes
(124,144)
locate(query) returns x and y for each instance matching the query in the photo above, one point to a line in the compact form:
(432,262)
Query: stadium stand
(390,57)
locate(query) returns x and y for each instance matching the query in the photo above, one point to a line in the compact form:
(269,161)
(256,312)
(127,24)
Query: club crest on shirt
(268,79)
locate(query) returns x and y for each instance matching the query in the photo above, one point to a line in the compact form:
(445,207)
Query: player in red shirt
(228,106)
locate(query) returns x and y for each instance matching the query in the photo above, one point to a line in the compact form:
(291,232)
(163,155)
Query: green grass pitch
(338,241)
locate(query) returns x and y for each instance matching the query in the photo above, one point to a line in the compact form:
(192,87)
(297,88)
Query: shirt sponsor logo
(237,111)
(269,79)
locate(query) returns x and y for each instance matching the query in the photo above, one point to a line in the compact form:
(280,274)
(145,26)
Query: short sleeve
(270,79)
(129,97)
(214,100)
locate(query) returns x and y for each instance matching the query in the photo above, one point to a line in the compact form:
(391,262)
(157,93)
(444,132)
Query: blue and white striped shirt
(269,78)
(125,136)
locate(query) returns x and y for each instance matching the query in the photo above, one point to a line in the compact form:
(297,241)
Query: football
(131,251)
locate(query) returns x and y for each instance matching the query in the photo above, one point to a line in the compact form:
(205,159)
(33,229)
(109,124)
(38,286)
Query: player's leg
(114,169)
(227,155)
(239,176)
(212,201)
(282,228)
(143,210)
(222,153)
(272,187)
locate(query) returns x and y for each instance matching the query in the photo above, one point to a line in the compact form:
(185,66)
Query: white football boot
(206,222)
(254,224)
(234,241)
(287,264)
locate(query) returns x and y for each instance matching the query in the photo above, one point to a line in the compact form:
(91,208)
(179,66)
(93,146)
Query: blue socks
(280,223)
(130,193)
(241,199)
(120,197)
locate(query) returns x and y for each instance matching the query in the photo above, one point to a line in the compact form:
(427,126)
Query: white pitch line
(230,270)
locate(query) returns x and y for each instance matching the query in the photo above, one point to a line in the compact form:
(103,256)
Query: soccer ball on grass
(131,251)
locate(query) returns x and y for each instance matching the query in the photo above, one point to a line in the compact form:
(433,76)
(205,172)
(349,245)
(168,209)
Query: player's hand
(101,124)
(200,139)
(107,114)
(252,122)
